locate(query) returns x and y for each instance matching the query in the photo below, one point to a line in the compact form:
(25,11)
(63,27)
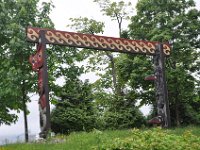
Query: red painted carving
(40,81)
(36,61)
(151,78)
(42,101)
(156,120)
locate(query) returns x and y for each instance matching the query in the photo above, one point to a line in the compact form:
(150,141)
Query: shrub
(156,139)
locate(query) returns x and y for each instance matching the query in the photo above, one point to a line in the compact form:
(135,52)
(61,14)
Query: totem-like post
(39,64)
(163,112)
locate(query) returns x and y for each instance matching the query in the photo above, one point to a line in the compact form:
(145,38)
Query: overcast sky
(64,9)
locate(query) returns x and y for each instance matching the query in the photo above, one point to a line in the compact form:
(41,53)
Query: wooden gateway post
(55,37)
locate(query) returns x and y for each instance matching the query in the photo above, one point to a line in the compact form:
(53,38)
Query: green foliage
(85,25)
(165,21)
(155,139)
(116,11)
(128,118)
(158,139)
(16,76)
(113,9)
(112,104)
(121,114)
(74,110)
(131,71)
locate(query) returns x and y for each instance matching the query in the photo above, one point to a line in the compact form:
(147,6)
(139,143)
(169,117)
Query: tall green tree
(74,103)
(119,11)
(74,110)
(109,98)
(16,76)
(176,21)
(116,11)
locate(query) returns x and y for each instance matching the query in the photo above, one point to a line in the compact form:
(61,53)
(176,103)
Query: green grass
(87,141)
(179,131)
(75,141)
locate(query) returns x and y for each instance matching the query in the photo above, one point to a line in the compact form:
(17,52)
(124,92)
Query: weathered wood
(161,87)
(39,64)
(95,42)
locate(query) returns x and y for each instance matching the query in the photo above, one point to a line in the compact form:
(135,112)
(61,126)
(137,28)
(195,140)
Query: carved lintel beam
(95,42)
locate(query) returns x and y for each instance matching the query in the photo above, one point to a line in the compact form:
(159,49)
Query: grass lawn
(75,141)
(95,139)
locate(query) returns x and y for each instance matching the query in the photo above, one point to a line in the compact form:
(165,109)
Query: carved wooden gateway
(47,36)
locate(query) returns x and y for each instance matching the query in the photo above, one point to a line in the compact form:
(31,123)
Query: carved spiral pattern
(166,49)
(32,34)
(96,42)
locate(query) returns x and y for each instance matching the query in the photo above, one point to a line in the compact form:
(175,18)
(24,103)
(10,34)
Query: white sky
(64,9)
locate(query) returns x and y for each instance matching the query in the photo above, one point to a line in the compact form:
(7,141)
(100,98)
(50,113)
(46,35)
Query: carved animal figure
(156,120)
(36,61)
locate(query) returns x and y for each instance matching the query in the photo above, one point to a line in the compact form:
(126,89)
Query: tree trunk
(114,76)
(117,89)
(177,104)
(177,113)
(25,122)
(119,20)
(25,114)
(120,29)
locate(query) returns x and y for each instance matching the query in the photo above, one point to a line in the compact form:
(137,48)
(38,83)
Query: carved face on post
(37,59)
